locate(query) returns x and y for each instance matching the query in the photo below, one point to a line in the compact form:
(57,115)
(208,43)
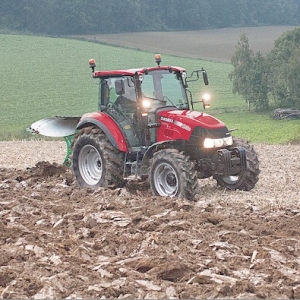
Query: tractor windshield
(163,88)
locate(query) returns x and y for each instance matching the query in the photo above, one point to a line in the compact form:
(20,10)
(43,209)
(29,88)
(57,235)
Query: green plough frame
(69,141)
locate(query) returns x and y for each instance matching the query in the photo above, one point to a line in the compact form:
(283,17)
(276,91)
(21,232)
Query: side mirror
(205,78)
(197,72)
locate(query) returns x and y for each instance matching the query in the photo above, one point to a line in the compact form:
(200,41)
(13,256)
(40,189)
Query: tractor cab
(134,97)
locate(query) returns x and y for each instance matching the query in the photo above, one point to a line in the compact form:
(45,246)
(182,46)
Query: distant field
(215,44)
(43,77)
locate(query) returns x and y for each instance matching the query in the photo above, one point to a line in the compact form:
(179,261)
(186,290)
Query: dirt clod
(59,241)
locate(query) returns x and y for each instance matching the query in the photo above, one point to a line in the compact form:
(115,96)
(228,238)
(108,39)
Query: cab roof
(132,72)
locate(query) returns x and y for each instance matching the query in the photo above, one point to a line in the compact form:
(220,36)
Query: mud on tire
(247,180)
(95,161)
(172,174)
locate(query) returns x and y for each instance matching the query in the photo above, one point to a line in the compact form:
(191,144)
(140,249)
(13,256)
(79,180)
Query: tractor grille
(197,137)
(200,133)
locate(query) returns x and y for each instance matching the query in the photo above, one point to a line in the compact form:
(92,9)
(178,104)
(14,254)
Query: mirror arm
(204,75)
(191,98)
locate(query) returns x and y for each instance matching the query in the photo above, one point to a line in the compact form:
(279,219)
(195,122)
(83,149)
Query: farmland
(43,77)
(59,241)
(215,45)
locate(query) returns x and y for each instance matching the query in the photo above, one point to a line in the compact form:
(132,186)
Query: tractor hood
(188,119)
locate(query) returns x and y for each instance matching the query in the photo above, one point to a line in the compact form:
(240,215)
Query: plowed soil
(60,241)
(214,44)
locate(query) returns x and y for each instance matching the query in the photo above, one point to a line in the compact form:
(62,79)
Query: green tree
(249,75)
(293,78)
(242,63)
(107,16)
(259,82)
(284,70)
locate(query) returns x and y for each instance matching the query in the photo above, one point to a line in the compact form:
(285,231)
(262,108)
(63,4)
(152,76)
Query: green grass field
(44,77)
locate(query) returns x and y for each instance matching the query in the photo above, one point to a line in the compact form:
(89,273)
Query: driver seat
(126,105)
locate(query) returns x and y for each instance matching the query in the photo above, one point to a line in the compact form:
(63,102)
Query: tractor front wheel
(173,174)
(247,179)
(95,161)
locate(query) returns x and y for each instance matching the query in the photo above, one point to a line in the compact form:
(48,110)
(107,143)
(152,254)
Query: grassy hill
(43,77)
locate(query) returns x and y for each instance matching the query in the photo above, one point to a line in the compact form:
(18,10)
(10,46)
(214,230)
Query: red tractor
(146,127)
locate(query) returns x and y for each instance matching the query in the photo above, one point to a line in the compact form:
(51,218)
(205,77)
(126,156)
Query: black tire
(172,174)
(247,180)
(95,161)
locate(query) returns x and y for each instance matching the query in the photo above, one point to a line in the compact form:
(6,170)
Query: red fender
(109,127)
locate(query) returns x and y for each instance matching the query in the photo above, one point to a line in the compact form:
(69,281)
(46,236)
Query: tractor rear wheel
(95,161)
(173,174)
(248,178)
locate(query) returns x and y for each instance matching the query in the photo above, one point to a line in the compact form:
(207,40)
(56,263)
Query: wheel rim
(231,179)
(90,165)
(165,180)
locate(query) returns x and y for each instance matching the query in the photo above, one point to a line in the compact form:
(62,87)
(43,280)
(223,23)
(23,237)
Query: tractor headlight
(217,143)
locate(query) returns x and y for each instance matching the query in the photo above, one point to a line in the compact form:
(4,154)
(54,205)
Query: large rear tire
(95,161)
(172,174)
(248,178)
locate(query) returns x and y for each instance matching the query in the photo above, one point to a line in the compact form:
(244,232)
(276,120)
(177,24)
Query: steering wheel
(116,111)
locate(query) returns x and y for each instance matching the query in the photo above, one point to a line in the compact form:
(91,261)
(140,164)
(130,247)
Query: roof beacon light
(92,64)
(158,59)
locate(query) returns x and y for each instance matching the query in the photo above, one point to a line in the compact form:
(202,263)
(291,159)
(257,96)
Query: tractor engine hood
(180,124)
(189,118)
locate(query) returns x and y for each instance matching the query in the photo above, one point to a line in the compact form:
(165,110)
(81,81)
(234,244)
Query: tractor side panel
(168,132)
(109,127)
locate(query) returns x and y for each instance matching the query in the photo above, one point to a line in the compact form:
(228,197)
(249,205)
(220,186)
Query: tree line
(270,81)
(57,17)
